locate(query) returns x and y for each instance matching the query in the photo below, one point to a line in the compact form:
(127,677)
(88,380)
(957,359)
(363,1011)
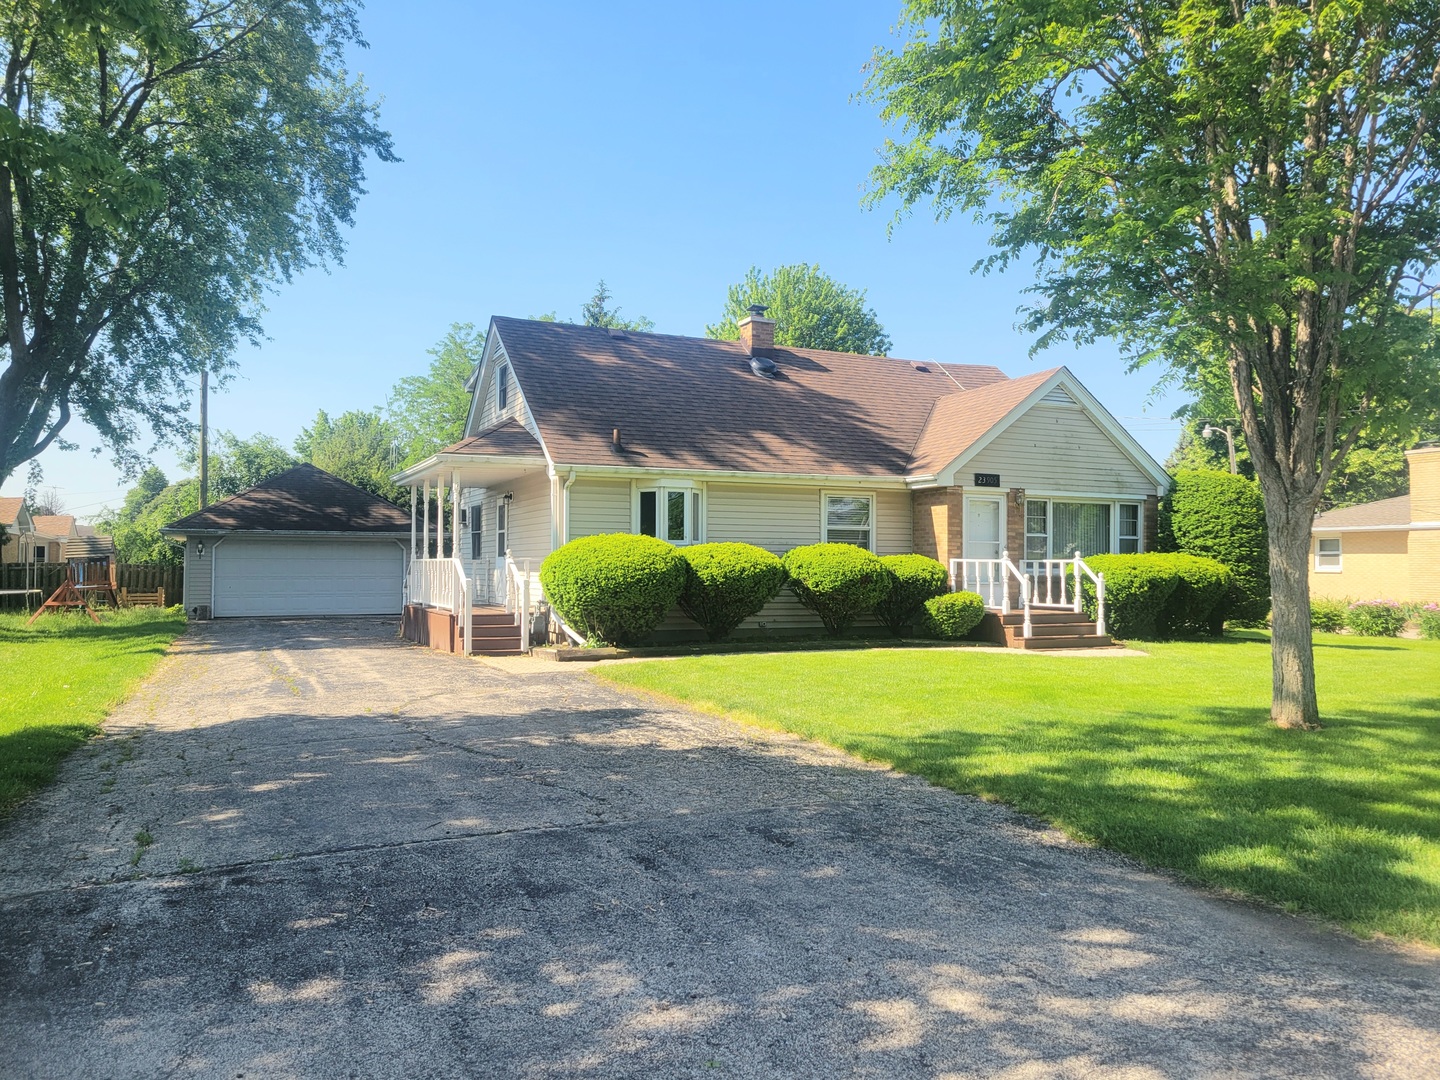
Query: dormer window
(502,386)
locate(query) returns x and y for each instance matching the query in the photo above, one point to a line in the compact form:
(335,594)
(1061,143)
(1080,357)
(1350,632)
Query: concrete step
(1071,641)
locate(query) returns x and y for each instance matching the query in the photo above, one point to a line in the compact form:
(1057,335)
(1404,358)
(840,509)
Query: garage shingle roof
(1383,512)
(694,403)
(302,499)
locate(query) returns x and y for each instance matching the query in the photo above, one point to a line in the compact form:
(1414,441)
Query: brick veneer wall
(1015,524)
(938,522)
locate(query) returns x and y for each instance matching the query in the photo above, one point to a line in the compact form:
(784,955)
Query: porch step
(1067,641)
(1037,618)
(1052,630)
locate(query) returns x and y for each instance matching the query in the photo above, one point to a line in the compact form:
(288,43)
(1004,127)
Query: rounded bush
(913,580)
(1376,618)
(839,582)
(953,615)
(1221,516)
(615,587)
(1201,598)
(1328,616)
(1137,588)
(727,583)
(1429,617)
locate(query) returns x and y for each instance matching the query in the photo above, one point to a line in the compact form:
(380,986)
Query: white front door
(498,584)
(984,526)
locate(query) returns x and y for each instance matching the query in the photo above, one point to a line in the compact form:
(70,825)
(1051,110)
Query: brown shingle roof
(302,499)
(1394,511)
(60,525)
(87,547)
(694,403)
(959,419)
(10,510)
(509,438)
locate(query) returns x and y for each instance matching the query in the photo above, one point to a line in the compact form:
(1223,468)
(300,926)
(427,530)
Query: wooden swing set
(89,577)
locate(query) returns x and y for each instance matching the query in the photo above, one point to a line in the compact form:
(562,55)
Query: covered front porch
(476,511)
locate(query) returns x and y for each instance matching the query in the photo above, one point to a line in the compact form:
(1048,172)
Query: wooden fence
(137,577)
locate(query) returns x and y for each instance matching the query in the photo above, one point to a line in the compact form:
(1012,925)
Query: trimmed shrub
(727,583)
(614,587)
(1220,516)
(1328,616)
(1429,617)
(1137,588)
(953,615)
(839,582)
(1203,593)
(914,579)
(1376,618)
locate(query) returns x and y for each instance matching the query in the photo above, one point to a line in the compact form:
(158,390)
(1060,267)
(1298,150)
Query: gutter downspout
(565,498)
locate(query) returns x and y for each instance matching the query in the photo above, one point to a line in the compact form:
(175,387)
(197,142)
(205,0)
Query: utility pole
(204,438)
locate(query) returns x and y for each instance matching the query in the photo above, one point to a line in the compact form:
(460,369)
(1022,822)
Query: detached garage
(302,543)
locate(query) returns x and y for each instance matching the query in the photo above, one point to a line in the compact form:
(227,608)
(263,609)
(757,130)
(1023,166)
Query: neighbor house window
(1327,554)
(1037,529)
(671,514)
(502,386)
(850,519)
(39,552)
(502,529)
(1129,529)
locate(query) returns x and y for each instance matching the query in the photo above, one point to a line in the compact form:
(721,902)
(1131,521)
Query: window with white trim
(477,533)
(502,528)
(1327,554)
(849,519)
(502,386)
(670,513)
(1128,534)
(1037,528)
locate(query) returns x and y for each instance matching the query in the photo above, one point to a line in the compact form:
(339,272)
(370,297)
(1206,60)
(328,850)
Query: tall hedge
(727,583)
(615,587)
(1220,516)
(839,582)
(914,579)
(1160,595)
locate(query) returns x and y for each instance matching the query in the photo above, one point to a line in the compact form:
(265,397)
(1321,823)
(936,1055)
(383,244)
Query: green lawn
(1168,757)
(58,680)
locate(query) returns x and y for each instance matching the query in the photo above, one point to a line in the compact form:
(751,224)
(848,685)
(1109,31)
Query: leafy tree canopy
(428,411)
(161,163)
(359,447)
(811,311)
(1242,190)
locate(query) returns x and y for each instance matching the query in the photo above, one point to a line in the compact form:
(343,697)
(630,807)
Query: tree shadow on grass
(1339,824)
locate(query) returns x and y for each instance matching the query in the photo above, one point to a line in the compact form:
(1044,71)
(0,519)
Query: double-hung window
(1129,529)
(477,533)
(1327,554)
(850,519)
(670,513)
(1037,529)
(502,386)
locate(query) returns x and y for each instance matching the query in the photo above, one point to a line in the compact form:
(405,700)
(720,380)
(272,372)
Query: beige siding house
(1386,550)
(576,431)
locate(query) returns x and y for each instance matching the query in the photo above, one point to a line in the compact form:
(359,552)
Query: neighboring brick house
(33,537)
(577,430)
(1385,550)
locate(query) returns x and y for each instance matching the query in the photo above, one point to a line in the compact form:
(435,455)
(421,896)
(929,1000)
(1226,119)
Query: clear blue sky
(663,147)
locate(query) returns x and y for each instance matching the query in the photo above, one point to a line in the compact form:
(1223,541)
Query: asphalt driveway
(368,860)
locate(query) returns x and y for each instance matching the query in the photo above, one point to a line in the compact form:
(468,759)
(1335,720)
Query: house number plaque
(987,479)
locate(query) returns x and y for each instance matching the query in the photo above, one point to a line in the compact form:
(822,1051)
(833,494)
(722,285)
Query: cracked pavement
(370,860)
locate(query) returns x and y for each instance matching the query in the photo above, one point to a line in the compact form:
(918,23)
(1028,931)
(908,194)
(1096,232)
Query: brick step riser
(1048,644)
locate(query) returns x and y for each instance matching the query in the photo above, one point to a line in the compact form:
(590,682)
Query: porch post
(412,522)
(440,518)
(454,516)
(425,532)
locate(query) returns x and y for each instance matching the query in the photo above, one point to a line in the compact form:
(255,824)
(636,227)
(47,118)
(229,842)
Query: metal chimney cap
(758,310)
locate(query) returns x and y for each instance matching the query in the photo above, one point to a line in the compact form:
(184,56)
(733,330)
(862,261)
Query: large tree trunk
(1293,704)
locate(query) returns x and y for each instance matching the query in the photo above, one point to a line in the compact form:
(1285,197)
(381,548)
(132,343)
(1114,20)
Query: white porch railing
(442,584)
(523,593)
(1050,584)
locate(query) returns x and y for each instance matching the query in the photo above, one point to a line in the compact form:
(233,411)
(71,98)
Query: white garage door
(307,577)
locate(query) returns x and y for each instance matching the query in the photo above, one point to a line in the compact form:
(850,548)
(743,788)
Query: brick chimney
(1424,483)
(757,333)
